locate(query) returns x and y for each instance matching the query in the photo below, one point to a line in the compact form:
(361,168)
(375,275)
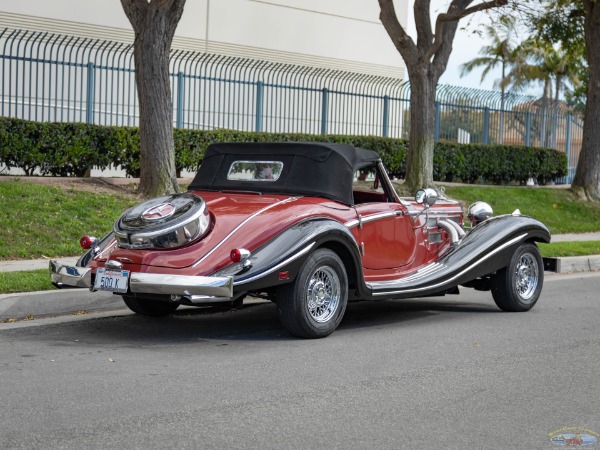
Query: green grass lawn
(579,248)
(25,281)
(559,209)
(45,221)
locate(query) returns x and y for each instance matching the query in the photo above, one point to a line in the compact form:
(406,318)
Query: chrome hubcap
(527,276)
(323,294)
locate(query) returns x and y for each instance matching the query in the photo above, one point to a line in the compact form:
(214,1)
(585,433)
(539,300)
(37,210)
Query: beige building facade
(335,34)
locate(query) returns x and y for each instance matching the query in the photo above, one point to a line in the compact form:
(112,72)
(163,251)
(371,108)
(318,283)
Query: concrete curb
(578,264)
(56,302)
(70,301)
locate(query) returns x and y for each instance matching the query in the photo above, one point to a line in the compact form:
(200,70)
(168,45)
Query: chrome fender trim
(277,267)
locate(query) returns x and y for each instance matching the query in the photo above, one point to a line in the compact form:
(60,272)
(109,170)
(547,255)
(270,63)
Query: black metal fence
(52,77)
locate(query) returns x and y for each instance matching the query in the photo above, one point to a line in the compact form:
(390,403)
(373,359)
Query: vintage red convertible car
(309,226)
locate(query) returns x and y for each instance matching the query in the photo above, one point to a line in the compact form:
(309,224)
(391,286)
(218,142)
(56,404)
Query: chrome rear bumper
(184,285)
(210,288)
(70,276)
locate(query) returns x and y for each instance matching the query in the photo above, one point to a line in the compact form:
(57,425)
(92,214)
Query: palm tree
(565,72)
(538,61)
(498,53)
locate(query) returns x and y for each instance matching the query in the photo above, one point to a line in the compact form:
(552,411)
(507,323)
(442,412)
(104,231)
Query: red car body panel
(392,245)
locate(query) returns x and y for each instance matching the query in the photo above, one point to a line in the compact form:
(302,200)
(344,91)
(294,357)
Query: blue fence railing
(52,77)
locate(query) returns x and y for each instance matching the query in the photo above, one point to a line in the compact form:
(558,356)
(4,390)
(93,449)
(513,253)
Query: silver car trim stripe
(250,217)
(371,218)
(277,267)
(433,214)
(375,285)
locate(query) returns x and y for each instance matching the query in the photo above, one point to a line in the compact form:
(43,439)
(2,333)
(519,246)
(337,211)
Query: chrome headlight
(478,212)
(164,222)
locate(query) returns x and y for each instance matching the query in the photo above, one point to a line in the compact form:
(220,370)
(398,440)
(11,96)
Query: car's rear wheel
(151,308)
(312,306)
(518,286)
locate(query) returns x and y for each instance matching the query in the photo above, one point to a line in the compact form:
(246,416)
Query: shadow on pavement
(254,322)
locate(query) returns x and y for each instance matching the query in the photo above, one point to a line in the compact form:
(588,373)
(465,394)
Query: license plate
(112,280)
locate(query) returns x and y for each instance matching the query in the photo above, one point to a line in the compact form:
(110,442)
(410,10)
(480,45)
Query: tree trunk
(426,60)
(419,160)
(154,24)
(587,177)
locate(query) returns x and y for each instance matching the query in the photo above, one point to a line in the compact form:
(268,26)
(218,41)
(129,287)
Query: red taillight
(239,254)
(235,255)
(87,242)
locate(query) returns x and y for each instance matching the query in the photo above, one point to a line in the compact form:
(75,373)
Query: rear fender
(279,260)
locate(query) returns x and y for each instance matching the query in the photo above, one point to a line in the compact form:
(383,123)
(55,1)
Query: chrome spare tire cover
(163,222)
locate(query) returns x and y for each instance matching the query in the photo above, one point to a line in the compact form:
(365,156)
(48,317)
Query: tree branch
(176,10)
(460,12)
(402,41)
(456,11)
(135,10)
(421,12)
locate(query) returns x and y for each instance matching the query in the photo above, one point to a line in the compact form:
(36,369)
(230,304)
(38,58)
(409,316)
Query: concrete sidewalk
(33,264)
(572,237)
(72,301)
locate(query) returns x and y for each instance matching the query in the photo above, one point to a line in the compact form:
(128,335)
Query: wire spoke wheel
(323,294)
(526,276)
(312,306)
(518,286)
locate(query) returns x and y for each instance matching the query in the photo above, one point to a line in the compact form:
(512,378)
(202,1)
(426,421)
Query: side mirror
(426,197)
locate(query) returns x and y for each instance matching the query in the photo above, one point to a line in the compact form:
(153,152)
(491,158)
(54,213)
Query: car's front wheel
(518,286)
(151,308)
(312,306)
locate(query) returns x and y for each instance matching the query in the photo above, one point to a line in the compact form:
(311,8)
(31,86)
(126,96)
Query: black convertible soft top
(315,169)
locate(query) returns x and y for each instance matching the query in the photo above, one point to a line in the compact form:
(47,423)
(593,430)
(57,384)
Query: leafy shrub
(70,149)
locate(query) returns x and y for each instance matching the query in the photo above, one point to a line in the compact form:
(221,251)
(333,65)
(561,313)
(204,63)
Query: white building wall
(337,34)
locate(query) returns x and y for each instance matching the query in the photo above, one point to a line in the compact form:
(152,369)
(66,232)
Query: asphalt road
(443,373)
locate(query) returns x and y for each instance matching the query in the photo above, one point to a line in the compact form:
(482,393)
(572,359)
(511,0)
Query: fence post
(436,132)
(89,102)
(259,105)
(179,117)
(386,114)
(486,125)
(528,129)
(569,177)
(324,109)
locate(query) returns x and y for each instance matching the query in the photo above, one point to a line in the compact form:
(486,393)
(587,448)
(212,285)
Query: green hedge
(70,149)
